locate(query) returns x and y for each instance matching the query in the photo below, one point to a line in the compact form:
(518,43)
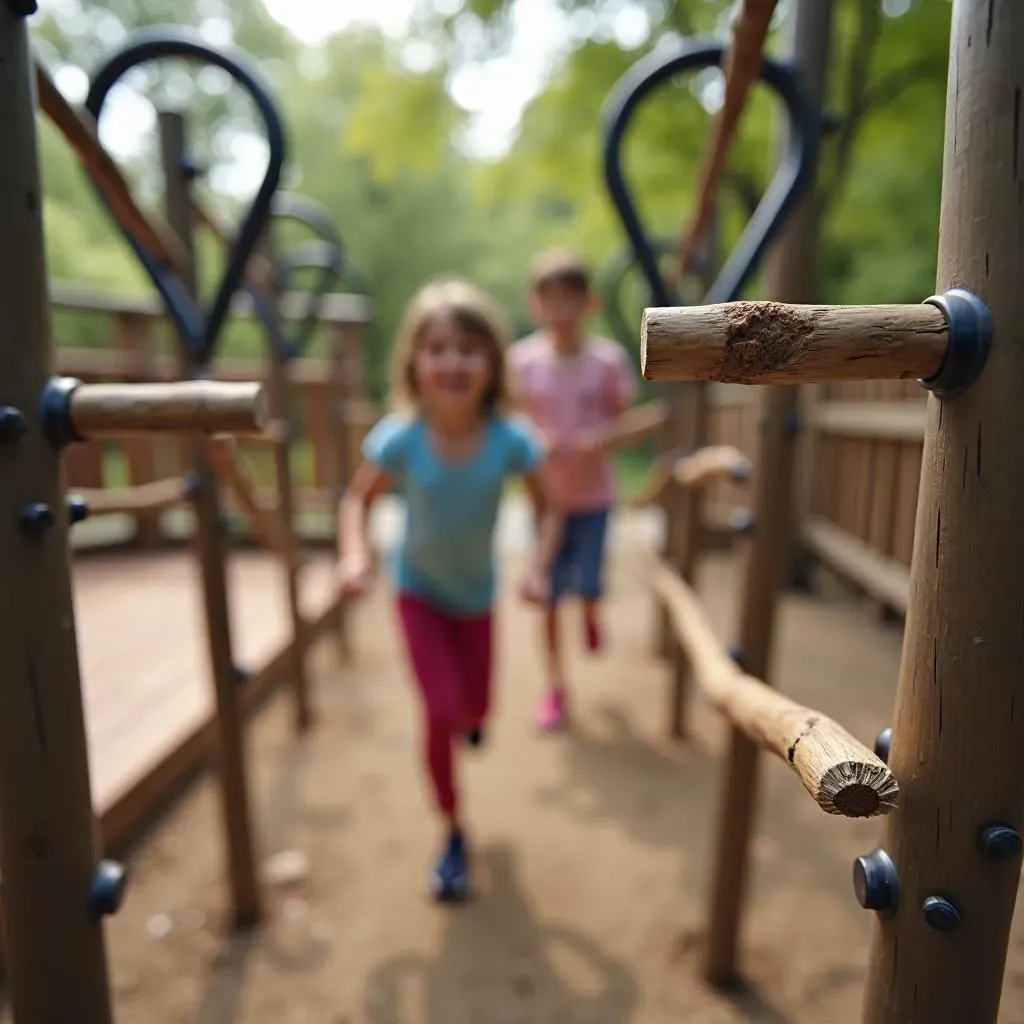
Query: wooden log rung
(842,775)
(141,500)
(699,469)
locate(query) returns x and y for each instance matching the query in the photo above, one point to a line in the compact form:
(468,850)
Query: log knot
(760,337)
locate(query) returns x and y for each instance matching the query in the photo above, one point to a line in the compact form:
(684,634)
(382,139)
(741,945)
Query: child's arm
(551,523)
(355,561)
(632,424)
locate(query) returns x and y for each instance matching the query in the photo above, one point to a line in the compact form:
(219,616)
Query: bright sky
(494,93)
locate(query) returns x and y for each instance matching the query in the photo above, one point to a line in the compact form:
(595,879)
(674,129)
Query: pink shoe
(550,712)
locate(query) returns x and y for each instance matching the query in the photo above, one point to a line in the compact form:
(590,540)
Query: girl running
(448,451)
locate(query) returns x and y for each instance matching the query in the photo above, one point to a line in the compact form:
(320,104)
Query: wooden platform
(142,649)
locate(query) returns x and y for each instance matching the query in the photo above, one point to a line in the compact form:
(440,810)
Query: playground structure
(48,836)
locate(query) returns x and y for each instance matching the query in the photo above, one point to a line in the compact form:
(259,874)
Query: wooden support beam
(784,343)
(939,952)
(790,275)
(842,775)
(210,549)
(193,407)
(55,952)
(888,421)
(141,500)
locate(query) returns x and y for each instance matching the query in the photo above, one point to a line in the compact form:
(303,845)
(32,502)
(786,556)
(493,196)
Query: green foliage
(376,137)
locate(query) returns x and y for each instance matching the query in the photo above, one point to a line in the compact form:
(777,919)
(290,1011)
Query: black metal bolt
(35,517)
(940,913)
(77,508)
(1001,842)
(12,423)
(192,484)
(242,675)
(875,881)
(740,473)
(736,654)
(882,741)
(107,891)
(794,423)
(23,8)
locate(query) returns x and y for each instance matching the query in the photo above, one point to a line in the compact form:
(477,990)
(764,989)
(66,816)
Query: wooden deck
(142,649)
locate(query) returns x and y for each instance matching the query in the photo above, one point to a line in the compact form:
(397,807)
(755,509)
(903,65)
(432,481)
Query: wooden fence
(859,472)
(330,395)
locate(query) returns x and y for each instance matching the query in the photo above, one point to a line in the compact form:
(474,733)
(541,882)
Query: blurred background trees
(383,129)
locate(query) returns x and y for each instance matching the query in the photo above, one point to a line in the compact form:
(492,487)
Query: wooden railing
(860,467)
(330,417)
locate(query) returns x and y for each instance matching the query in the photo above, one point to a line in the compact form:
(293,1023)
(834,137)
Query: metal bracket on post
(55,411)
(969,323)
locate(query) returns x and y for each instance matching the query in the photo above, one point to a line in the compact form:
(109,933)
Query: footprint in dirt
(497,962)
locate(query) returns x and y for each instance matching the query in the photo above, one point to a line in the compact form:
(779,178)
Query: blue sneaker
(450,882)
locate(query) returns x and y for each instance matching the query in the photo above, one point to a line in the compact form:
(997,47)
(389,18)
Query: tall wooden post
(56,960)
(790,279)
(280,392)
(211,553)
(958,738)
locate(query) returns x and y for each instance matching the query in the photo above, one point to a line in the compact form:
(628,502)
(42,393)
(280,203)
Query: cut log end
(855,789)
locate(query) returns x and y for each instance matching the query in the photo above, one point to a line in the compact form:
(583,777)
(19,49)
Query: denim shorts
(580,559)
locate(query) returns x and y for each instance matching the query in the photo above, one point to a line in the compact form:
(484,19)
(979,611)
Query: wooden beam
(55,952)
(889,421)
(957,736)
(697,470)
(193,407)
(788,343)
(839,772)
(881,577)
(141,500)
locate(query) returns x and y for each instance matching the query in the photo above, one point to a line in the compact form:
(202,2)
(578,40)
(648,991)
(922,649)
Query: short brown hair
(561,266)
(472,311)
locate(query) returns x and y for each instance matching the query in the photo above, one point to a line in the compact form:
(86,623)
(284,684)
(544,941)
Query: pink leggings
(451,659)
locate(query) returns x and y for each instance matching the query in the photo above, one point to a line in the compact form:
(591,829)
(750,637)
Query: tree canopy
(376,134)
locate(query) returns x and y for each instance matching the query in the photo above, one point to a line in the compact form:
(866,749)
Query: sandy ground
(592,850)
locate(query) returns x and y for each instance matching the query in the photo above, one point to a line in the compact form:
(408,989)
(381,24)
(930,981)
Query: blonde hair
(473,312)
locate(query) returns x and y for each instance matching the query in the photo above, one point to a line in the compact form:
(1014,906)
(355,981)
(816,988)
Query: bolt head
(875,881)
(882,742)
(108,885)
(23,8)
(1000,842)
(742,521)
(77,508)
(12,423)
(940,913)
(36,516)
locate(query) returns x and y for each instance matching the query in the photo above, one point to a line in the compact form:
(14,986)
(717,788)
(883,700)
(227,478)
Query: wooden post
(340,391)
(791,277)
(56,960)
(280,392)
(211,551)
(958,740)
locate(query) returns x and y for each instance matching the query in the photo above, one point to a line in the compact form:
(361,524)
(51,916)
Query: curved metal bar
(614,274)
(792,178)
(199,332)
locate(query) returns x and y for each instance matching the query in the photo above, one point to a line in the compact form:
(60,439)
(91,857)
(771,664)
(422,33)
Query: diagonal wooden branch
(842,775)
(80,131)
(741,65)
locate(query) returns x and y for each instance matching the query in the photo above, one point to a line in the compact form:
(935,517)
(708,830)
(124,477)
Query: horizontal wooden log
(776,343)
(697,470)
(141,500)
(890,421)
(881,577)
(335,309)
(842,775)
(183,408)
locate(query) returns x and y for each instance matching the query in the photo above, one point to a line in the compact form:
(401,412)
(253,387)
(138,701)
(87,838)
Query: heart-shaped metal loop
(791,180)
(323,254)
(198,330)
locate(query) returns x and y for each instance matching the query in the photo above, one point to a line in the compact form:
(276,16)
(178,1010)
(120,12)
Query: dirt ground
(592,851)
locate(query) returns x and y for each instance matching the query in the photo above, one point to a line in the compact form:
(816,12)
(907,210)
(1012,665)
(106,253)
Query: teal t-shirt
(446,551)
